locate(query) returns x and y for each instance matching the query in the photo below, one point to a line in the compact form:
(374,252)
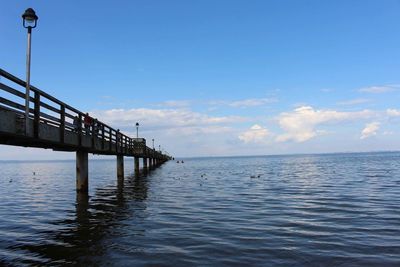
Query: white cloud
(354,102)
(243,103)
(393,112)
(370,130)
(256,134)
(252,102)
(299,125)
(175,103)
(161,118)
(191,130)
(388,133)
(378,89)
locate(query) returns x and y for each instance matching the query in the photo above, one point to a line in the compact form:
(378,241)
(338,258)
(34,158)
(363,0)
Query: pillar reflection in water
(84,238)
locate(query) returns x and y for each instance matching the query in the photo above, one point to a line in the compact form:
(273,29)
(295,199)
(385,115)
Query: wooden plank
(69,116)
(13,91)
(22,95)
(11,103)
(43,117)
(56,110)
(55,120)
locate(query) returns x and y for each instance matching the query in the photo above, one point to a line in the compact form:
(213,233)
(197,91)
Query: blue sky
(219,77)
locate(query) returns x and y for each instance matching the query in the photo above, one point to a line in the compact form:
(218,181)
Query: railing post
(117,141)
(110,135)
(93,134)
(36,115)
(126,144)
(122,143)
(102,136)
(80,130)
(62,124)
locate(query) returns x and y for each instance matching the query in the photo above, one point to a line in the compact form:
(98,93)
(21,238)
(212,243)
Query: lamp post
(29,20)
(159,148)
(153,142)
(137,130)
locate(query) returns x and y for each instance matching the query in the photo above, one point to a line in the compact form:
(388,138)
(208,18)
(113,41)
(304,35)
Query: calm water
(325,210)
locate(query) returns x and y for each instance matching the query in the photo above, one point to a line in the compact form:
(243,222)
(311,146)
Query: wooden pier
(55,125)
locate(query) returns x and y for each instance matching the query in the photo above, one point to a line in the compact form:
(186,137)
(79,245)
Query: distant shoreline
(207,157)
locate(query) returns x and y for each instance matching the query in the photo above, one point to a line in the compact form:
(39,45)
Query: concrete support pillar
(120,166)
(145,164)
(82,172)
(82,206)
(137,165)
(150,163)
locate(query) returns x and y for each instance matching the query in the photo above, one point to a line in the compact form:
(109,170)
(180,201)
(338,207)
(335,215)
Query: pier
(53,124)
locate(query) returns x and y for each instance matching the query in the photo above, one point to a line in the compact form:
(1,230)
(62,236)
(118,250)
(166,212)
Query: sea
(294,210)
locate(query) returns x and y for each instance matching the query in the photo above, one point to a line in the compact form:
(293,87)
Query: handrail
(101,130)
(34,89)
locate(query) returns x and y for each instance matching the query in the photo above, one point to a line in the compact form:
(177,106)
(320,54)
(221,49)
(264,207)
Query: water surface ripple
(308,210)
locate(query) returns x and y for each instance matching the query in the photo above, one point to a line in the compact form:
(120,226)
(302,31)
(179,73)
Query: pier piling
(120,166)
(136,165)
(82,172)
(145,164)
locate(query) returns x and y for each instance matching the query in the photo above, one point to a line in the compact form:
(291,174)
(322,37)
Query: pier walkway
(55,125)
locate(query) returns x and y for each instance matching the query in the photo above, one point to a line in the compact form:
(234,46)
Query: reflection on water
(80,239)
(323,210)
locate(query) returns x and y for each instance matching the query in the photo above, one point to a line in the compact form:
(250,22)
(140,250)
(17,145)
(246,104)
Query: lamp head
(29,18)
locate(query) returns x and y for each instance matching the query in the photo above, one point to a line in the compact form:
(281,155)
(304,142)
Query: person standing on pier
(96,127)
(87,123)
(76,124)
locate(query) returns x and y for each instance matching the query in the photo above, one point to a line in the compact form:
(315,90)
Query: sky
(218,78)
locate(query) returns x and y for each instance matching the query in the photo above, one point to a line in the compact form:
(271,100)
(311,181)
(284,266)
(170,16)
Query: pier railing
(50,111)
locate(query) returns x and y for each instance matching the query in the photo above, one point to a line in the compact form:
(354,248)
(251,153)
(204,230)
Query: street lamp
(153,142)
(159,148)
(137,130)
(29,20)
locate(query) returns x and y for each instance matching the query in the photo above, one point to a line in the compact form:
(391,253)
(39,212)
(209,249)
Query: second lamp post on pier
(137,130)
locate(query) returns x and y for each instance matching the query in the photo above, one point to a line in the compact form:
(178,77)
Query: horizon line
(232,156)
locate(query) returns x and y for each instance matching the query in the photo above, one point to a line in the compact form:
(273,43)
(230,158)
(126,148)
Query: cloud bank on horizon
(192,128)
